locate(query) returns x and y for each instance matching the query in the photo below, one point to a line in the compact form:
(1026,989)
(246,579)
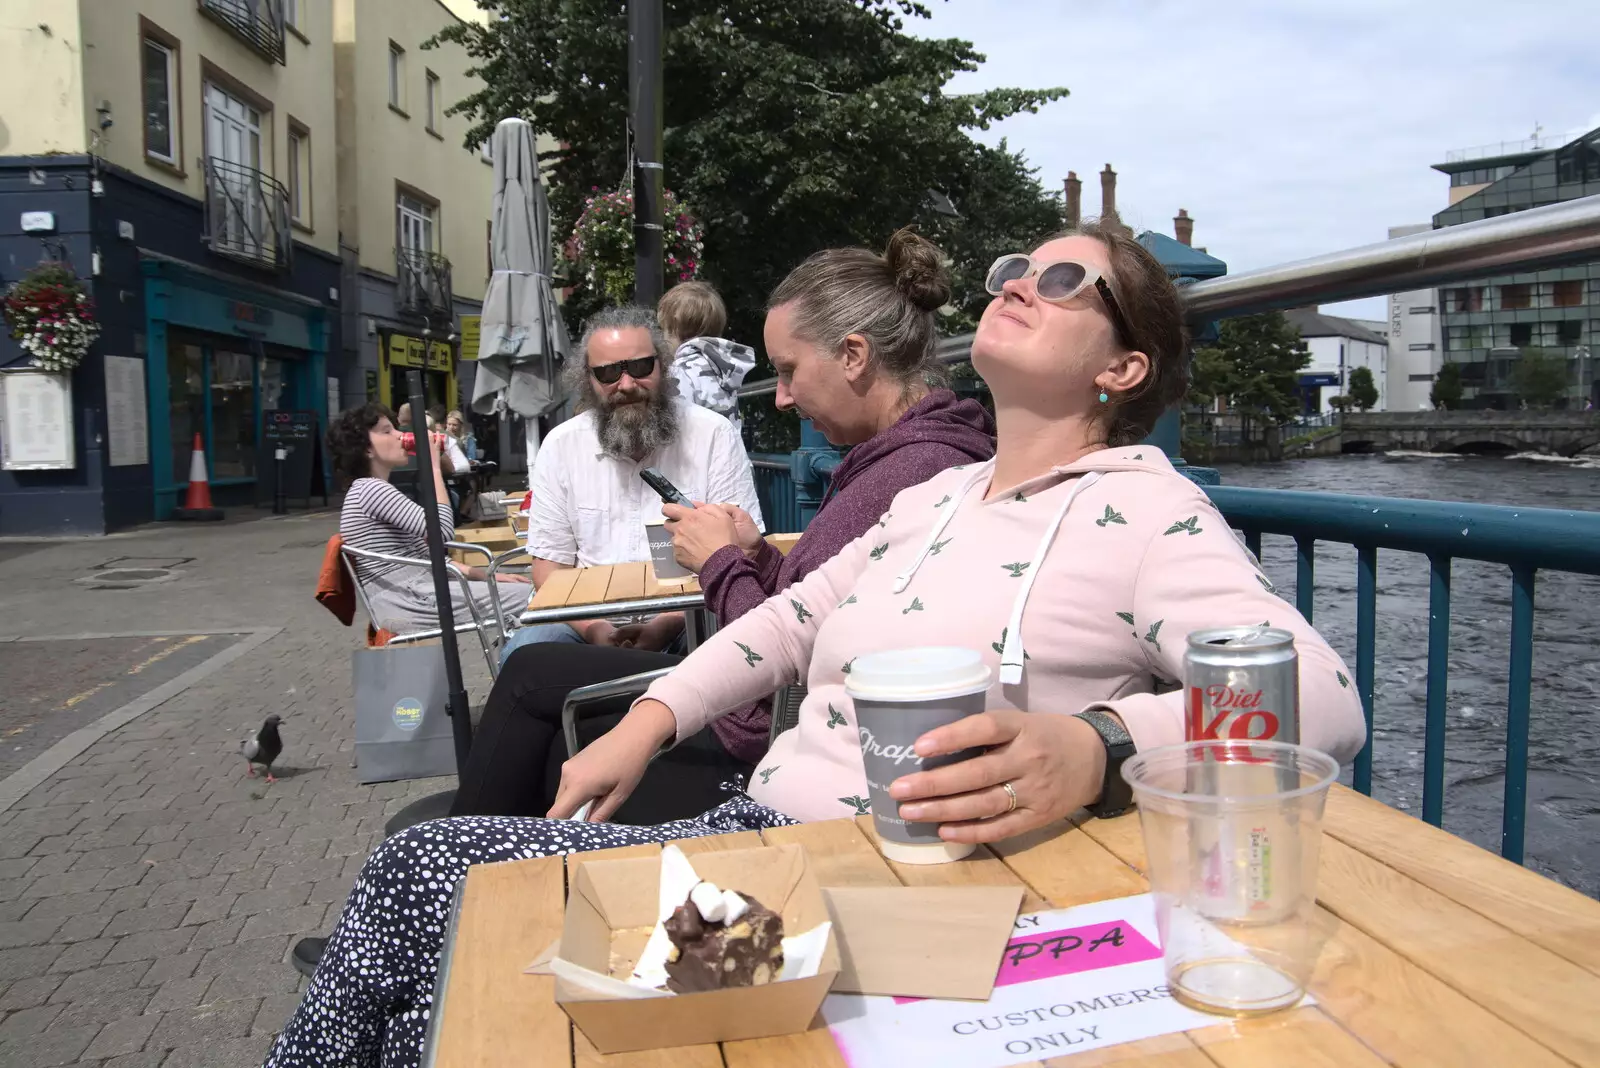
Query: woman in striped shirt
(366,446)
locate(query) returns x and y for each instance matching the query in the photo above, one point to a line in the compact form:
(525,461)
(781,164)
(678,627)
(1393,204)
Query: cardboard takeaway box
(882,941)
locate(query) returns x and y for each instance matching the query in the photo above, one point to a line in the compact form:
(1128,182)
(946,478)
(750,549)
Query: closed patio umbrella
(523,336)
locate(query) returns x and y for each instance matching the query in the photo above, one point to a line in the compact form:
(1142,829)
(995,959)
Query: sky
(1286,128)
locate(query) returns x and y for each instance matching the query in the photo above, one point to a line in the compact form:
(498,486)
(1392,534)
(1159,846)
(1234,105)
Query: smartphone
(670,494)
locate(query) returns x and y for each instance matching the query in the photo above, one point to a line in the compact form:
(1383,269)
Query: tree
(1255,366)
(1539,378)
(1341,403)
(1363,392)
(790,126)
(1446,391)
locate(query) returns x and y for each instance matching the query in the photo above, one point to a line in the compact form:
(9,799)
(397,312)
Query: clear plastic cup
(1232,832)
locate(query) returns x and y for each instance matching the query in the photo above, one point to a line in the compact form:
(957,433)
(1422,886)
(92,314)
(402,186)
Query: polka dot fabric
(369,1001)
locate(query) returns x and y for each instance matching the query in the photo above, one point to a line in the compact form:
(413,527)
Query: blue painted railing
(1525,540)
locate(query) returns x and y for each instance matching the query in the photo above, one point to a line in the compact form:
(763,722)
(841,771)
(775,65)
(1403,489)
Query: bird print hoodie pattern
(1079,588)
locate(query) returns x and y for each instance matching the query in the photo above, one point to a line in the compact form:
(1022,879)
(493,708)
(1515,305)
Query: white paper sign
(127,426)
(1071,980)
(36,424)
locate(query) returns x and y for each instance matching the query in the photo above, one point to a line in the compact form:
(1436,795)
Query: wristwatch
(1116,796)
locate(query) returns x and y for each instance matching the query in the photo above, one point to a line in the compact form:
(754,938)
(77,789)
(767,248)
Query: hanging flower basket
(52,317)
(602,244)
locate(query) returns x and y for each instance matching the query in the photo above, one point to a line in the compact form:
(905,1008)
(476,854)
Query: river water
(1563,831)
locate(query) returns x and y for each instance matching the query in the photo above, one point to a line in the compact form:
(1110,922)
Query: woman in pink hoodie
(1076,560)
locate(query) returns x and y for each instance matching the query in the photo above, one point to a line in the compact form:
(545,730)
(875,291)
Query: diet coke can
(1242,684)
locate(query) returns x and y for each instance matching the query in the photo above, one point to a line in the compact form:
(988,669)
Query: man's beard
(634,426)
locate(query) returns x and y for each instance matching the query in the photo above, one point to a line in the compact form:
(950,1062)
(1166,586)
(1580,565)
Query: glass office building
(1488,326)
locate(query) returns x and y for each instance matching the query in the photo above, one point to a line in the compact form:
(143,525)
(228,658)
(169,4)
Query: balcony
(258,23)
(247,215)
(423,282)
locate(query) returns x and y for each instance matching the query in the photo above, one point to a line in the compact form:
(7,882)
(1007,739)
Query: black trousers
(515,764)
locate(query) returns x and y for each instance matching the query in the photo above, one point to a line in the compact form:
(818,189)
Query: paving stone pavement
(149,891)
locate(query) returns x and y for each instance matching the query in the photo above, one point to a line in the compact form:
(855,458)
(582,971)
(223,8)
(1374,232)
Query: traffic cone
(197,504)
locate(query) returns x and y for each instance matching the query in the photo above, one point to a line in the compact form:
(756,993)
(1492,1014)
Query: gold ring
(1011,792)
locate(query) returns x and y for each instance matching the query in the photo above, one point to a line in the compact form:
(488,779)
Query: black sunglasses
(1057,283)
(608,373)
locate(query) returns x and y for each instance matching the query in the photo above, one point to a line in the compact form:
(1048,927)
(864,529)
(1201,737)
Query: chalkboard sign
(297,434)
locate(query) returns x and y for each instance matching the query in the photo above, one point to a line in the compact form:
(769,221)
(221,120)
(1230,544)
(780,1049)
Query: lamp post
(645,114)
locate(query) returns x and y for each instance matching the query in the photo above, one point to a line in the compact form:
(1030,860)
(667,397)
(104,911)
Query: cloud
(1287,128)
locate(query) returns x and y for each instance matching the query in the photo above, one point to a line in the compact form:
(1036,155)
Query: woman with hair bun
(851,336)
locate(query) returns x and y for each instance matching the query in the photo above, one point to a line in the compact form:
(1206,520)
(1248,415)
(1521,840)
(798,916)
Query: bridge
(1561,433)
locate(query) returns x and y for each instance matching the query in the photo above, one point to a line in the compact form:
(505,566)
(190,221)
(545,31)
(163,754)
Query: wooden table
(1438,953)
(631,589)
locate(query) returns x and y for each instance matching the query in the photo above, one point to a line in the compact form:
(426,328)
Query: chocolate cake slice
(722,939)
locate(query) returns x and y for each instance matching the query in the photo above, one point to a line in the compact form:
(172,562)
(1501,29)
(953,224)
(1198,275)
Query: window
(1420,346)
(1466,299)
(432,102)
(1521,334)
(1567,294)
(1569,332)
(291,14)
(299,174)
(1425,309)
(415,220)
(1419,378)
(160,101)
(233,150)
(1516,297)
(397,77)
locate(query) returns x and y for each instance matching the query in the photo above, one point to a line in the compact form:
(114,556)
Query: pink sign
(1076,949)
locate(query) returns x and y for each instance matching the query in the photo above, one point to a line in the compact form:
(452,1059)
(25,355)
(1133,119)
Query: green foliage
(1341,403)
(1446,391)
(1363,390)
(790,126)
(1254,366)
(1539,378)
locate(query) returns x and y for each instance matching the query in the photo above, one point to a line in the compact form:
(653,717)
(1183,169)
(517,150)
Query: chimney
(1074,199)
(1108,195)
(1183,227)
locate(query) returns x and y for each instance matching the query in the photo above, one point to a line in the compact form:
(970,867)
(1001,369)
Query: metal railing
(424,282)
(258,23)
(1525,540)
(775,491)
(1504,148)
(247,214)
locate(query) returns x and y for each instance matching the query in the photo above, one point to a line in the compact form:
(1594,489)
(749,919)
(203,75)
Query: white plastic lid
(923,674)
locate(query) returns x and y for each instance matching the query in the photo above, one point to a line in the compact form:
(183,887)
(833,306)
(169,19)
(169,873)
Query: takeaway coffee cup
(899,696)
(668,571)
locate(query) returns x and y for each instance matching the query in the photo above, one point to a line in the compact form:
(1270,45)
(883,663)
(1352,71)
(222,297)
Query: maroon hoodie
(938,432)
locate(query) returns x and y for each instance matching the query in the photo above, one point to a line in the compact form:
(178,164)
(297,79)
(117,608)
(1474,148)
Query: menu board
(127,423)
(36,421)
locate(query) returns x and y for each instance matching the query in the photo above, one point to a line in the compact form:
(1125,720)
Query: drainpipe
(810,466)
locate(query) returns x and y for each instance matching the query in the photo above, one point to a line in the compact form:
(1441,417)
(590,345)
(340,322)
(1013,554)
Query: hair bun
(919,270)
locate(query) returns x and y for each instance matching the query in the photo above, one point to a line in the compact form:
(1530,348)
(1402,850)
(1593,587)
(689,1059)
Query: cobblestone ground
(149,891)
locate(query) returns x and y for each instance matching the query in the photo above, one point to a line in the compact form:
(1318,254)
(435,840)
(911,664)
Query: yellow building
(414,202)
(268,205)
(179,158)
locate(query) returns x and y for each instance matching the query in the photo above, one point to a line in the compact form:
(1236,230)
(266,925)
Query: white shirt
(590,508)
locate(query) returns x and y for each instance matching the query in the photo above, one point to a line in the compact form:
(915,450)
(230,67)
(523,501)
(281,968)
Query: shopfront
(221,354)
(399,352)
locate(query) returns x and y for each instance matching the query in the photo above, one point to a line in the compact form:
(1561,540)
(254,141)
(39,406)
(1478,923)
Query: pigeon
(263,747)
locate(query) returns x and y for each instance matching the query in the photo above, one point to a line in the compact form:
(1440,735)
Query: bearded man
(589,505)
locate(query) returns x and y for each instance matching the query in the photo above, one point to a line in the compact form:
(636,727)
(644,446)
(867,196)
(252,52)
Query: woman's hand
(504,576)
(698,532)
(745,532)
(607,770)
(1055,763)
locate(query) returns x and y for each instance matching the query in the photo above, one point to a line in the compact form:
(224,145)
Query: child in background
(708,367)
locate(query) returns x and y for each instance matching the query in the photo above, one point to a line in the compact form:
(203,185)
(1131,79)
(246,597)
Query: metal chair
(488,639)
(785,704)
